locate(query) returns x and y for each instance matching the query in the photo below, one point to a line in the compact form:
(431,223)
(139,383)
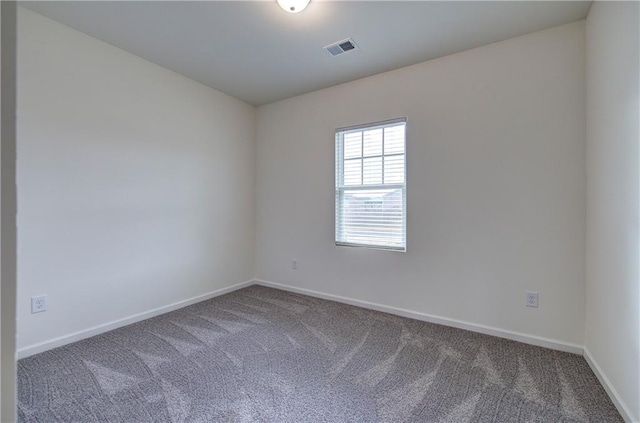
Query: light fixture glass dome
(293,6)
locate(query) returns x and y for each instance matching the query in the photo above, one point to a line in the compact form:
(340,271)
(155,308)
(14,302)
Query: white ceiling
(256,52)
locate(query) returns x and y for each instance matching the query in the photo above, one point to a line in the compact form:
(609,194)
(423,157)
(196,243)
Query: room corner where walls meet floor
(523,338)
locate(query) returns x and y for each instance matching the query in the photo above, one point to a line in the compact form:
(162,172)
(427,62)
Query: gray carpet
(264,355)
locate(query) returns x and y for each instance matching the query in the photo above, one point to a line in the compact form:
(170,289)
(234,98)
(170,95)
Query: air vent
(340,47)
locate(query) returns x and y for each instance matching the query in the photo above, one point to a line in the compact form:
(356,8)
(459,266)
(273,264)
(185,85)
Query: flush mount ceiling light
(293,6)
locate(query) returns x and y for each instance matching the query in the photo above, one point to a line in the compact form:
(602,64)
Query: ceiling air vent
(340,47)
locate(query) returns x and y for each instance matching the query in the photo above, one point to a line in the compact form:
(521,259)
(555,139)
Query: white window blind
(371,185)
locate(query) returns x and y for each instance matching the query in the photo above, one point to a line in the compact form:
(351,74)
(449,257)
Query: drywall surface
(136,185)
(495,190)
(612,335)
(8,215)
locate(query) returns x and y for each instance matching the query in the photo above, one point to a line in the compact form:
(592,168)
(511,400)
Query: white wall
(613,293)
(136,185)
(496,187)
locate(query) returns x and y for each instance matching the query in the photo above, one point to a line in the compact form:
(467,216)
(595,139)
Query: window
(371,186)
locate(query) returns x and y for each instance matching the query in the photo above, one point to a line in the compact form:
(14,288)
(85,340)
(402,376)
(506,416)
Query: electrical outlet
(531,299)
(294,264)
(38,304)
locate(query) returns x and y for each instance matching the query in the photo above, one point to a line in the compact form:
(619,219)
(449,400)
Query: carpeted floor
(264,355)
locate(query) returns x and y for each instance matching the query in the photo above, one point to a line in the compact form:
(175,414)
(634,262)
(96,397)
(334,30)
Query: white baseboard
(106,327)
(474,327)
(608,387)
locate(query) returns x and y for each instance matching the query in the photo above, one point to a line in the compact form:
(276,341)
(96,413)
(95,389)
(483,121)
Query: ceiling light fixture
(293,6)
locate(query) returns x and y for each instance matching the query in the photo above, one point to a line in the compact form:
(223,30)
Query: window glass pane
(352,145)
(368,211)
(353,172)
(394,139)
(372,172)
(373,217)
(373,142)
(394,169)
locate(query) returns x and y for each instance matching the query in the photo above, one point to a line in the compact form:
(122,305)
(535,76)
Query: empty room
(320,211)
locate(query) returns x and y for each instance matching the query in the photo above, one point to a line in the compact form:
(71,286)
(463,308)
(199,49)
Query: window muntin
(371,185)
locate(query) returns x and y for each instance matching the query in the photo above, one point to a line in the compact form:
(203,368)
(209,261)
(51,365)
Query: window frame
(340,187)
